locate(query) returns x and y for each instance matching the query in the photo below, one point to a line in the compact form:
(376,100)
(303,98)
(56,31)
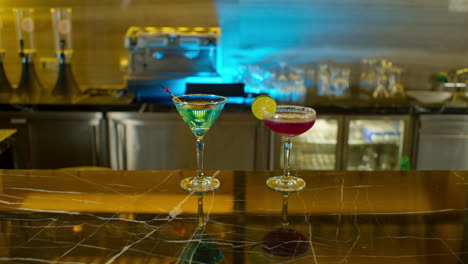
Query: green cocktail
(199,118)
(199,111)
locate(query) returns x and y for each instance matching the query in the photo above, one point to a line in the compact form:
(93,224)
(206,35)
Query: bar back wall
(422,36)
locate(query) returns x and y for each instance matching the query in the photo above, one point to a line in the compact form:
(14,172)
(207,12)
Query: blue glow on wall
(204,80)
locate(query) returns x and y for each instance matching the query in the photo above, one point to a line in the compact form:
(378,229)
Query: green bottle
(405,164)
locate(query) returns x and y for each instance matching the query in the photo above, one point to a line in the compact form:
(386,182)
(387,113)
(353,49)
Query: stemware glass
(381,90)
(323,80)
(395,87)
(199,111)
(289,121)
(368,78)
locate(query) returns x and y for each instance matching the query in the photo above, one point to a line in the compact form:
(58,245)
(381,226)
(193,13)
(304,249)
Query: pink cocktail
(289,128)
(289,121)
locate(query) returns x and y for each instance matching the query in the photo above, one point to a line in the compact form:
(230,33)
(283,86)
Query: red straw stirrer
(167,91)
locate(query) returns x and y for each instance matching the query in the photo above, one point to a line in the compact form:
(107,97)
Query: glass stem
(285,221)
(201,217)
(287,151)
(200,146)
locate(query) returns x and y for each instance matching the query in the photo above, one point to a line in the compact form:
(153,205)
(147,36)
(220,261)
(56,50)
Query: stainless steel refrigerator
(442,142)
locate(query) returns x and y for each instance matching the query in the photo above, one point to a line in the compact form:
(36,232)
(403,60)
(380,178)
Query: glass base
(277,183)
(206,184)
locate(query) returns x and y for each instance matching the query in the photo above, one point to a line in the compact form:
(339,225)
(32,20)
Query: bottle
(29,88)
(405,163)
(66,88)
(5,87)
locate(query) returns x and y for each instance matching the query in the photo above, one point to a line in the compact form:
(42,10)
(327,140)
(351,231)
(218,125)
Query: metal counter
(163,141)
(442,142)
(58,139)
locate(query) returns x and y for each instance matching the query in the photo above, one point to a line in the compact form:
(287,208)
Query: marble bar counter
(106,216)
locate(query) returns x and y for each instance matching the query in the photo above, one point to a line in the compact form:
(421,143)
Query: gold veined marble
(106,216)
(6,133)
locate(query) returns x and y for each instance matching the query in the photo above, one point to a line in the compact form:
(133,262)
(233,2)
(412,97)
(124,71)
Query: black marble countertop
(105,216)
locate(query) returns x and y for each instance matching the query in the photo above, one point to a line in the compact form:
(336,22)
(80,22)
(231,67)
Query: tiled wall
(423,36)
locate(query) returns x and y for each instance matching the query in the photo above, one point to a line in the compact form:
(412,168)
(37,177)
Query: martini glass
(199,111)
(289,121)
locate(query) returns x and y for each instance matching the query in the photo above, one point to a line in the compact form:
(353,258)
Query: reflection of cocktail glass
(199,111)
(200,249)
(289,121)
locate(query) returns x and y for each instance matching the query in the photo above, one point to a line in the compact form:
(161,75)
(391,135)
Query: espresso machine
(167,56)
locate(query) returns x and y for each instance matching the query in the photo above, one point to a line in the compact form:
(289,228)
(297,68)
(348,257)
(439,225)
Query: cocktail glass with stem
(199,111)
(289,121)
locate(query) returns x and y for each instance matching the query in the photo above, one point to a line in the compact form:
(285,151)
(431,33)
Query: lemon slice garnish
(263,105)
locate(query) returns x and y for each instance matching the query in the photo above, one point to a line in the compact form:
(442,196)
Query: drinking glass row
(293,83)
(379,78)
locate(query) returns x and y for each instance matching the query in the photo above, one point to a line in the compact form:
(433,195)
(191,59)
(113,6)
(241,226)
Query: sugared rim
(293,109)
(180,99)
(298,107)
